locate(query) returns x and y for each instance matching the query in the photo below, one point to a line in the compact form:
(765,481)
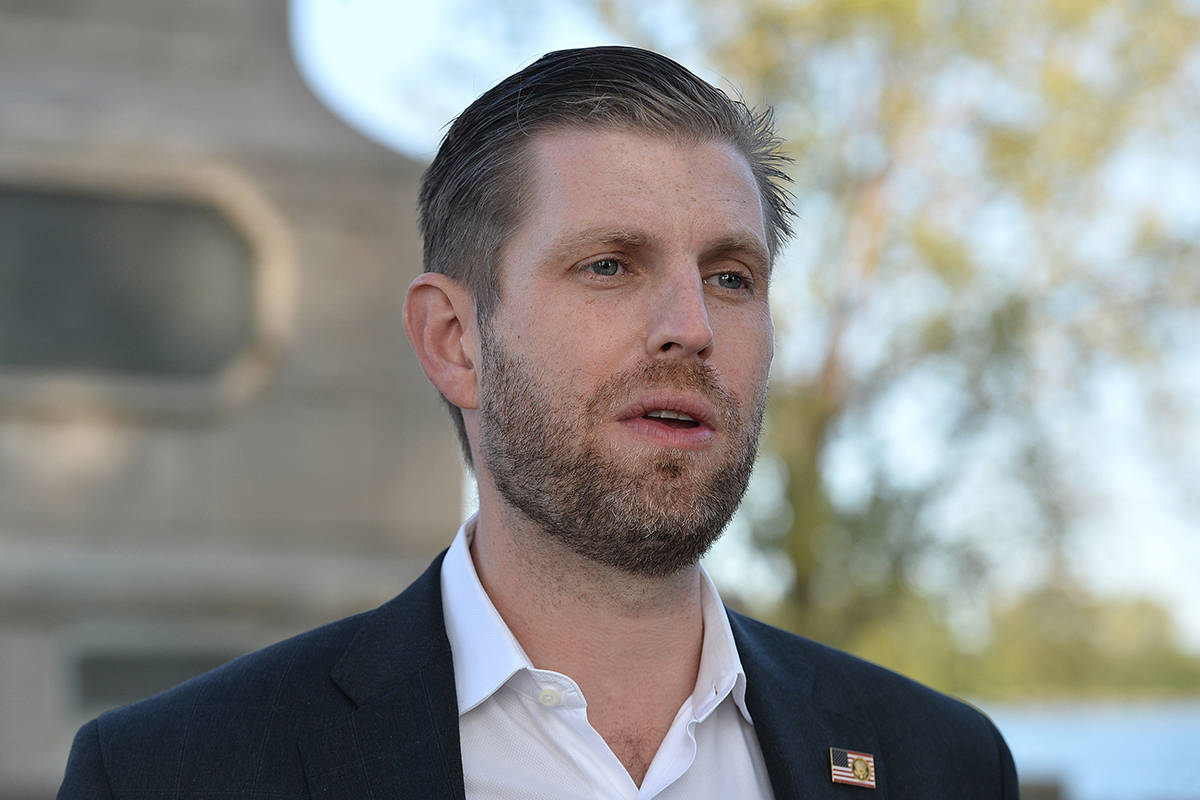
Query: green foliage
(1055,642)
(961,226)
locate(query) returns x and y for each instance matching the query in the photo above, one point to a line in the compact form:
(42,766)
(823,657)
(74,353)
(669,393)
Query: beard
(652,515)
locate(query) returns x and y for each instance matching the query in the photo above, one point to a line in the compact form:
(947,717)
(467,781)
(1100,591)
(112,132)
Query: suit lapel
(400,740)
(799,714)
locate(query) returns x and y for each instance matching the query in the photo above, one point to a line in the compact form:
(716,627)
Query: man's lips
(672,407)
(672,419)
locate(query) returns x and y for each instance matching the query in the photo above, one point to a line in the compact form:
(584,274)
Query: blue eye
(729,280)
(606,267)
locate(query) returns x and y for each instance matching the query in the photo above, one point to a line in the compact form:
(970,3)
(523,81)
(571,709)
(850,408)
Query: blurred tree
(998,255)
(1057,641)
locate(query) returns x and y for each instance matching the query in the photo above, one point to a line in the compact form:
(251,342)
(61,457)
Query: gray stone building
(213,433)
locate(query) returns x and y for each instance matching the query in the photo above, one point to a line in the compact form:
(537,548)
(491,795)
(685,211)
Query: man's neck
(632,643)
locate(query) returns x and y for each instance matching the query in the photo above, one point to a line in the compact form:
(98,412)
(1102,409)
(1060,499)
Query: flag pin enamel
(852,766)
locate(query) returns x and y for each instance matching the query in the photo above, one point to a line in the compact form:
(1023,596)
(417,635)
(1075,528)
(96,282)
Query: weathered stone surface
(318,476)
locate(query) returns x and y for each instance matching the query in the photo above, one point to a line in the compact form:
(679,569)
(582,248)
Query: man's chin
(665,461)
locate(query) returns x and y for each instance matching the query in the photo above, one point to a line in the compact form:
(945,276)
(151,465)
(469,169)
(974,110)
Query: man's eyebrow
(603,236)
(744,244)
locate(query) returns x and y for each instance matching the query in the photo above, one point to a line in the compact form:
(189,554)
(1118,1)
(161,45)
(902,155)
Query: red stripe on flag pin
(852,766)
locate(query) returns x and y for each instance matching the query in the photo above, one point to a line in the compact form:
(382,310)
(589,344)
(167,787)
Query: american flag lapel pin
(852,766)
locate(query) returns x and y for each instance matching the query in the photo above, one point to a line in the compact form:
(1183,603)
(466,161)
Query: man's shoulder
(838,673)
(308,664)
(227,716)
(241,719)
(842,684)
(929,744)
(301,663)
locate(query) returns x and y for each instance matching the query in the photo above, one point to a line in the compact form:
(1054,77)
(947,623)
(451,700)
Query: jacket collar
(800,713)
(400,737)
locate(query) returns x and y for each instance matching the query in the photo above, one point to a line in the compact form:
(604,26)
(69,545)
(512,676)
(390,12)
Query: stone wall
(156,525)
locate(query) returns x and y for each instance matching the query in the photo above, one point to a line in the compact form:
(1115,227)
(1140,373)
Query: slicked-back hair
(474,194)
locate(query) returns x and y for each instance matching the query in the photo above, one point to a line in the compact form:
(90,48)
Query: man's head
(599,234)
(477,191)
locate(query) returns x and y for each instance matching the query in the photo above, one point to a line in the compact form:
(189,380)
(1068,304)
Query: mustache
(687,376)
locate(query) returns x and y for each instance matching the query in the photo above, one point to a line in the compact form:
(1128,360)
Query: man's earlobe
(439,318)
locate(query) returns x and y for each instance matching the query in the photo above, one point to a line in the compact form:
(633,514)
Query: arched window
(138,293)
(120,286)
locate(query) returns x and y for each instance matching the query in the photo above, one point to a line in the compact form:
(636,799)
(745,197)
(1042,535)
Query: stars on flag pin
(852,766)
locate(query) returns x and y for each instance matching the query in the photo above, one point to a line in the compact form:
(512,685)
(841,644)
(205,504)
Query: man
(599,232)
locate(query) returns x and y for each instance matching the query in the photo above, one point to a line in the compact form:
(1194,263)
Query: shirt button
(549,697)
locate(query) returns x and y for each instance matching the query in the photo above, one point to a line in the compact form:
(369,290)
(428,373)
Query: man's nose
(679,325)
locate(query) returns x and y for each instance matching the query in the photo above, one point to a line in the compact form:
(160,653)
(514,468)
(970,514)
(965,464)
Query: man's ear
(439,318)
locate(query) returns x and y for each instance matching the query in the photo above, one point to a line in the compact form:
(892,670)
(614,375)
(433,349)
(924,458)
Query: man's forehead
(552,154)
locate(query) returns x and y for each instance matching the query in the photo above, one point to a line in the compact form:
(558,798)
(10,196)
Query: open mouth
(672,419)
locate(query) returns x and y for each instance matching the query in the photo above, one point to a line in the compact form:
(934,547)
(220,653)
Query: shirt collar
(720,672)
(486,654)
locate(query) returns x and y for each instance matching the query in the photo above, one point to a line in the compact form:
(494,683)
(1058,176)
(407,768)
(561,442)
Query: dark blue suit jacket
(365,708)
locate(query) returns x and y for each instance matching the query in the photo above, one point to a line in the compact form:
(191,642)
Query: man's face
(623,374)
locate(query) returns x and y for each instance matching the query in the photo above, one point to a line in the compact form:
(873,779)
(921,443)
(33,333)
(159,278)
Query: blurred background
(982,459)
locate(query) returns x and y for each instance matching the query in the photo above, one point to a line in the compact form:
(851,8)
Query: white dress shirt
(525,732)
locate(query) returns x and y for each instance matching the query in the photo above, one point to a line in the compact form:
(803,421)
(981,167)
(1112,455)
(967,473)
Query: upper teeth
(670,415)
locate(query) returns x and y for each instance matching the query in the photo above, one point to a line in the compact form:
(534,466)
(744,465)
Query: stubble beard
(653,517)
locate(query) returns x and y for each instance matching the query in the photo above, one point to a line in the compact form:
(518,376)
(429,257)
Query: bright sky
(399,72)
